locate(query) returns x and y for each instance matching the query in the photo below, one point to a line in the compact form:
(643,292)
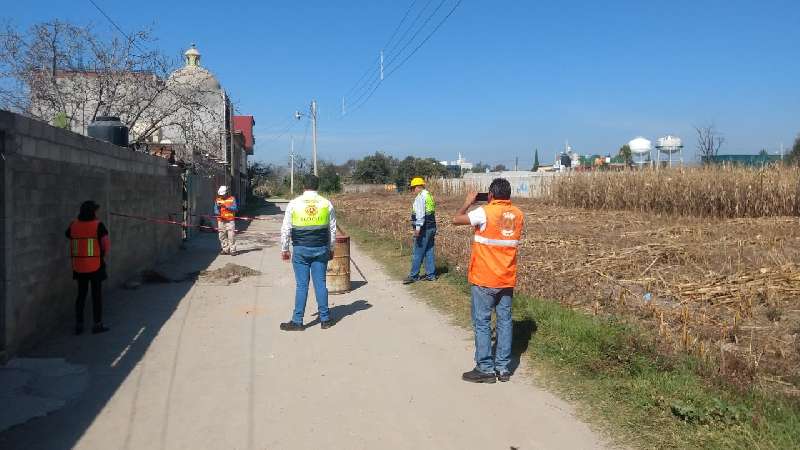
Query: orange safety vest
(225,214)
(493,262)
(85,246)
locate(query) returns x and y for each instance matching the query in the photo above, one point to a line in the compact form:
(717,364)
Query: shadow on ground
(339,312)
(135,318)
(522,334)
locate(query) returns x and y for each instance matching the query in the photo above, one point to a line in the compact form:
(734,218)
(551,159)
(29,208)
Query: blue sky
(499,79)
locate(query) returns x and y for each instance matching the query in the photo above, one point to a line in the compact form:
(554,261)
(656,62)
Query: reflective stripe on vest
(85,245)
(497,242)
(310,222)
(493,262)
(225,214)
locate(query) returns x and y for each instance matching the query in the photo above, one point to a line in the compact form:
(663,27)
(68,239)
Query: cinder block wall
(47,173)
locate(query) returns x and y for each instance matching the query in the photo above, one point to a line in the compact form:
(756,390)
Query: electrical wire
(114,24)
(439,25)
(367,87)
(379,81)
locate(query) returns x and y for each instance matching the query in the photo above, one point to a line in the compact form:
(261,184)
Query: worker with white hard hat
(225,210)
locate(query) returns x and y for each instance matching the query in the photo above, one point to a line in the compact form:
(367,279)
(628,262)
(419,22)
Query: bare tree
(709,141)
(68,75)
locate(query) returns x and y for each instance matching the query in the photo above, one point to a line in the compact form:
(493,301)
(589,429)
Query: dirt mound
(229,273)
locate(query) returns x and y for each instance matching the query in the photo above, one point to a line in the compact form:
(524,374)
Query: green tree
(329,179)
(626,154)
(412,167)
(794,155)
(375,169)
(536,161)
(480,167)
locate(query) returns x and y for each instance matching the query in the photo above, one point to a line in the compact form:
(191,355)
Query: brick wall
(46,174)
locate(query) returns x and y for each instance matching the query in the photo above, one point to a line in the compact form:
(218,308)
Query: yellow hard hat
(417,181)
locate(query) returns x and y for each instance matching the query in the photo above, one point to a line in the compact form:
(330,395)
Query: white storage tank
(669,144)
(640,145)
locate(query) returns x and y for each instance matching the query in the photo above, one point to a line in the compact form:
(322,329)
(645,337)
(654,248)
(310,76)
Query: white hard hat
(222,190)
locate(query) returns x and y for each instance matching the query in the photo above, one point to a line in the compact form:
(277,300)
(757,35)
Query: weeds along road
(203,365)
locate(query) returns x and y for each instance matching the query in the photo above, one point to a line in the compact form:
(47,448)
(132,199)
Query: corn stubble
(712,268)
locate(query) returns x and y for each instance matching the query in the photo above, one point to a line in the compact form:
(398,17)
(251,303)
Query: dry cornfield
(725,290)
(713,191)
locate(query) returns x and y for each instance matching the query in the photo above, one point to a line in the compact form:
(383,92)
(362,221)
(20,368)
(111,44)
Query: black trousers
(97,299)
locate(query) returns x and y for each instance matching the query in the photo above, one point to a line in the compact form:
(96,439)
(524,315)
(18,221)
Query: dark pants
(97,299)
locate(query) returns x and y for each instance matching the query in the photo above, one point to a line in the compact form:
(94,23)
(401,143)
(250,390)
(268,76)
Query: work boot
(325,324)
(503,376)
(409,280)
(99,328)
(476,376)
(292,326)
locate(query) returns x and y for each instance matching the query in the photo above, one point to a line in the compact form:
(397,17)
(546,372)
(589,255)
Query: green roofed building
(761,159)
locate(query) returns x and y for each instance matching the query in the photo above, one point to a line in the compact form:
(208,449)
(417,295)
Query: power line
(362,86)
(439,25)
(411,26)
(416,33)
(114,24)
(404,60)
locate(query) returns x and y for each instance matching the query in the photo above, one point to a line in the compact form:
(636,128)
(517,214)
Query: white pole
(314,132)
(291,177)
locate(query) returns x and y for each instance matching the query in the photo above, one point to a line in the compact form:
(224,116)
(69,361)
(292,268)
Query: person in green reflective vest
(423,222)
(310,223)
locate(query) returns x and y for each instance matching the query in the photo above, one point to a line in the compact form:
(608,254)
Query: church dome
(193,75)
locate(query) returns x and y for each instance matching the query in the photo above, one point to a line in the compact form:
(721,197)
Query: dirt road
(203,365)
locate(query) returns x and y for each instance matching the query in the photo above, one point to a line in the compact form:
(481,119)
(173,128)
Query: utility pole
(314,132)
(298,115)
(516,163)
(291,176)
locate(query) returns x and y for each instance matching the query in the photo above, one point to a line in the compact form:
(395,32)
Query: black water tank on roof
(109,129)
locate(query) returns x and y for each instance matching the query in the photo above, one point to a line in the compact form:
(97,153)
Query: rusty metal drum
(338,276)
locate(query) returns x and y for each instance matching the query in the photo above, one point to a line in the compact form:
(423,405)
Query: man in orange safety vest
(493,275)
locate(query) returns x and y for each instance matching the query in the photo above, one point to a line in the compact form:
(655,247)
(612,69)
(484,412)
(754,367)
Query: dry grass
(701,192)
(722,289)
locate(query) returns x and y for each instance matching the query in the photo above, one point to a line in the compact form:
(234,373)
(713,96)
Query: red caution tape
(173,222)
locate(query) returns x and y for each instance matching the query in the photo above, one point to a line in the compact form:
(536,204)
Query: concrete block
(28,147)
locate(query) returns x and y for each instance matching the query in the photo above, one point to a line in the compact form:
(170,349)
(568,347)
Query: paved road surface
(197,365)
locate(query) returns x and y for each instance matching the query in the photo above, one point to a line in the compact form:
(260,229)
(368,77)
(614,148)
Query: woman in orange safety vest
(89,243)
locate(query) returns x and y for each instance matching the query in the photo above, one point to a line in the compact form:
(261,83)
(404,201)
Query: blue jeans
(484,300)
(423,250)
(313,261)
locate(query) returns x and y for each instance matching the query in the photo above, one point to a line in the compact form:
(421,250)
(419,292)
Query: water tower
(668,146)
(640,150)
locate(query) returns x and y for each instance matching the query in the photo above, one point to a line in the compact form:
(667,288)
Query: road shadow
(521,336)
(135,317)
(261,207)
(339,312)
(357,284)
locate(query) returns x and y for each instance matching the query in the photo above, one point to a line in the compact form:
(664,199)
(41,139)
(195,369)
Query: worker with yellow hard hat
(423,222)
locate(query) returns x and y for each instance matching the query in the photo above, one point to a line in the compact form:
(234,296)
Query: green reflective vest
(311,217)
(430,211)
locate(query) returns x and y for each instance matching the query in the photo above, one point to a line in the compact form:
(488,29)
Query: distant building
(244,147)
(460,165)
(761,159)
